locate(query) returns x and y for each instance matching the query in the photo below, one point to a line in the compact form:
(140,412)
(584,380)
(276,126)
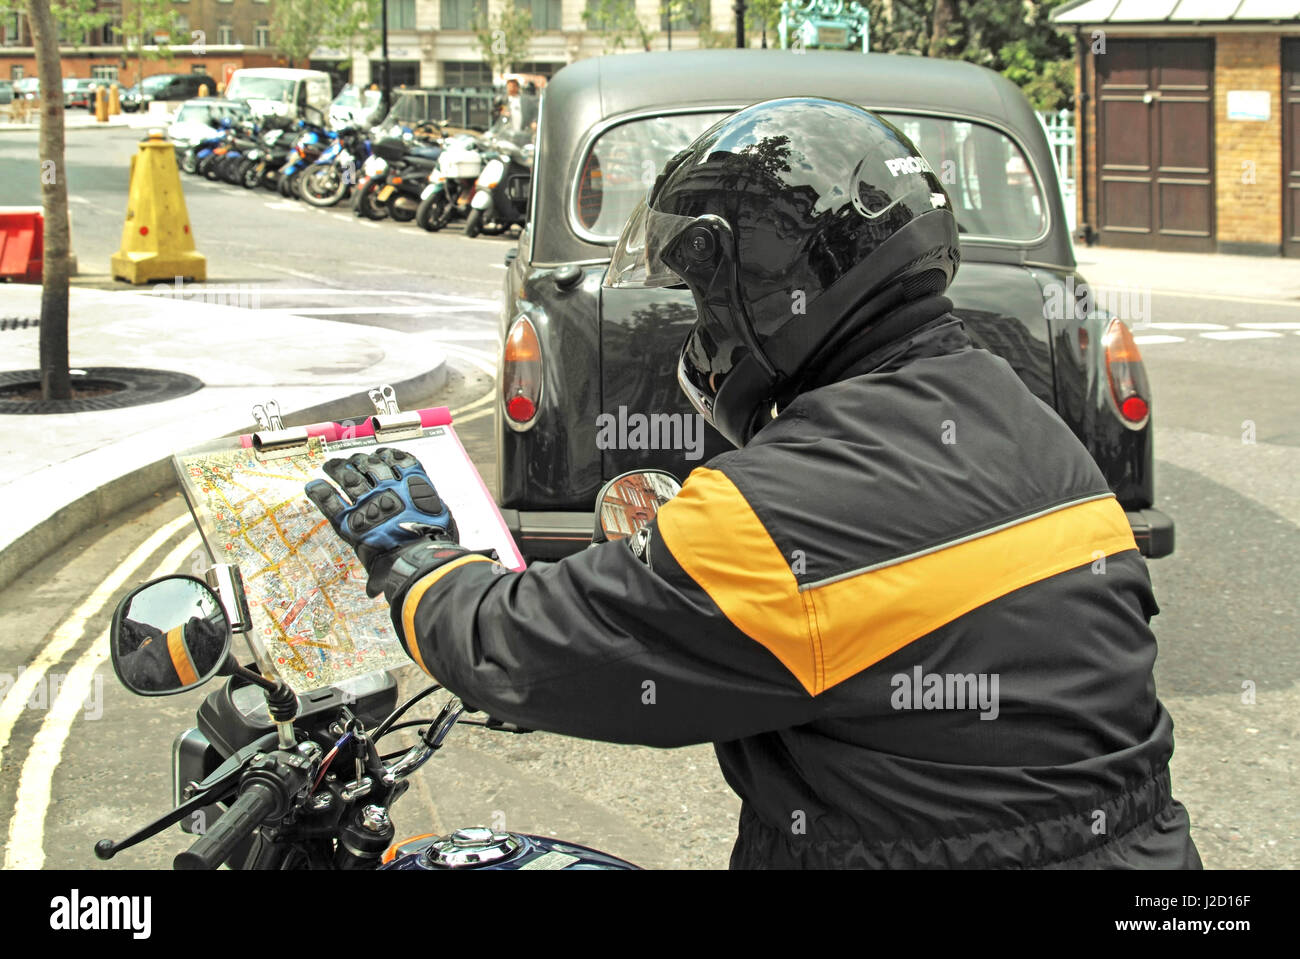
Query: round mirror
(168,636)
(631,501)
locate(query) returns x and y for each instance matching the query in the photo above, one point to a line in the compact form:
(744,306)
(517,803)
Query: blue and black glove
(393,517)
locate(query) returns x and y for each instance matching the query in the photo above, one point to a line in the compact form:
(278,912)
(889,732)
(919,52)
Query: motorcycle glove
(391,508)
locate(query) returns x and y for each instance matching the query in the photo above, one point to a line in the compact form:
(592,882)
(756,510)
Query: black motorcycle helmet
(795,223)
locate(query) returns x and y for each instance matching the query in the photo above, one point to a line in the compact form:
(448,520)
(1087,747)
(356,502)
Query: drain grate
(18,323)
(103,388)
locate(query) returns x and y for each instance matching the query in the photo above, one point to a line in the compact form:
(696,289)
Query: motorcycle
(396,188)
(328,180)
(451,183)
(307,148)
(500,198)
(274,145)
(271,781)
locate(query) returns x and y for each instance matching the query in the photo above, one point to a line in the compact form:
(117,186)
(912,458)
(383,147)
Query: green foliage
(504,40)
(300,26)
(148,29)
(618,23)
(1014,37)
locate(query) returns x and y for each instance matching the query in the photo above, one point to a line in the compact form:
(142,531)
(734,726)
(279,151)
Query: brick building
(430,41)
(1187,123)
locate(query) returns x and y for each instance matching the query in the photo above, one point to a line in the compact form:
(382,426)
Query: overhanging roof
(1242,12)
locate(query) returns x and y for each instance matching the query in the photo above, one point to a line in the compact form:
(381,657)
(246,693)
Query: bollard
(157,243)
(203,89)
(114,101)
(101,106)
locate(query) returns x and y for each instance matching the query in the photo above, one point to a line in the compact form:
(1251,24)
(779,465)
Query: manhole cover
(94,388)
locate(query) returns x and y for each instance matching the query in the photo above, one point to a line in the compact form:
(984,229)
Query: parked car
(575,350)
(166,88)
(6,92)
(80,91)
(280,90)
(28,88)
(196,120)
(353,105)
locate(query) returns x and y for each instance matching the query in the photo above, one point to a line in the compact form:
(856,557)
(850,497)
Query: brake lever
(106,849)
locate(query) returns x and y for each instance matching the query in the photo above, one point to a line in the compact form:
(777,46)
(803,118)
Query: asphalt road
(1227,457)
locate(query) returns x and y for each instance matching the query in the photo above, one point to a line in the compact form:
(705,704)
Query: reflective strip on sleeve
(829,633)
(412,602)
(180,655)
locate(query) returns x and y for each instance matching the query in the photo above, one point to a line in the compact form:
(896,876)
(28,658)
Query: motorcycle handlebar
(236,824)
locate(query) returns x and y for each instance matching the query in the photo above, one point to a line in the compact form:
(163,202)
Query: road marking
(1184,326)
(1268,301)
(1240,335)
(1157,338)
(499,266)
(461,421)
(68,632)
(344,217)
(25,849)
(282,205)
(1270,326)
(371,310)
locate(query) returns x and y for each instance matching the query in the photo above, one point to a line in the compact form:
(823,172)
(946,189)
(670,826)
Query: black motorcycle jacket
(909,613)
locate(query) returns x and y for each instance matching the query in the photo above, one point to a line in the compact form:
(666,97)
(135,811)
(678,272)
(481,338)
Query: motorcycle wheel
(429,215)
(282,185)
(317,189)
(365,202)
(400,213)
(253,174)
(474,225)
(205,166)
(190,162)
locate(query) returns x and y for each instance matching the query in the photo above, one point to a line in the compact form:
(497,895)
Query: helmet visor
(636,261)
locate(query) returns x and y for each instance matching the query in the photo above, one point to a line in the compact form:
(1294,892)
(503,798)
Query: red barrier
(22,245)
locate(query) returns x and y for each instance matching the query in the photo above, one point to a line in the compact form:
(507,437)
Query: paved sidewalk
(1192,274)
(79,119)
(65,471)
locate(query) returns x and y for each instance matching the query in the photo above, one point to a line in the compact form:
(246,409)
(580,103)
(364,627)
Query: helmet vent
(924,284)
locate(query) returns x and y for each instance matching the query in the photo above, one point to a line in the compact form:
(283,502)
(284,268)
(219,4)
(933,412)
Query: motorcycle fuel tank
(481,848)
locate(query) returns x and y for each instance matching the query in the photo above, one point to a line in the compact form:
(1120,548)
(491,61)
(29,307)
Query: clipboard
(305,587)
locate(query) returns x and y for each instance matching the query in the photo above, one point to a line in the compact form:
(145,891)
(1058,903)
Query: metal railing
(1059,127)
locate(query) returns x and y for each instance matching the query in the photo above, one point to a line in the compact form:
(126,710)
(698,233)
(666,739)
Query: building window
(401,14)
(594,22)
(12,31)
(180,25)
(546,13)
(460,14)
(110,33)
(539,67)
(689,17)
(225,35)
(466,73)
(262,35)
(15,72)
(104,73)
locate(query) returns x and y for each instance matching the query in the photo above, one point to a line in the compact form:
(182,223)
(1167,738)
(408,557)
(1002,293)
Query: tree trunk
(945,13)
(55,383)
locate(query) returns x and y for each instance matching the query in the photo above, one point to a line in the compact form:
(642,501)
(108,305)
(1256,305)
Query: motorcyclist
(150,660)
(908,610)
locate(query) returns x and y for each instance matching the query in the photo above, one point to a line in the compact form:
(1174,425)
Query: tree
(618,23)
(301,26)
(762,18)
(147,31)
(44,20)
(504,40)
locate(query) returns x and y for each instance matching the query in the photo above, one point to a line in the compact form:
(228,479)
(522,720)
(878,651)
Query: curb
(139,484)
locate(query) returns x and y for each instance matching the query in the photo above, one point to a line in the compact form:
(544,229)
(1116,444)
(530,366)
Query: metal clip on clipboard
(389,422)
(274,441)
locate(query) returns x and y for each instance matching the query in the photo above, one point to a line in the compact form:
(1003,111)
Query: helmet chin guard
(704,255)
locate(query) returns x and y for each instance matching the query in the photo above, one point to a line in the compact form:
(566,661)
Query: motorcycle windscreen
(646,422)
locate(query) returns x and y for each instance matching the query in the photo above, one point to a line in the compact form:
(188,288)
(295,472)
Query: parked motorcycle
(313,139)
(328,180)
(451,183)
(274,145)
(271,781)
(501,191)
(395,189)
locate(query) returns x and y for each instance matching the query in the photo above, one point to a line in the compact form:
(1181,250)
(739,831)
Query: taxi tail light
(1127,375)
(521,373)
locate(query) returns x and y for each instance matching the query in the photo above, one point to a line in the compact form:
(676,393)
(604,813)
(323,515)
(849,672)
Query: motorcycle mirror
(169,635)
(629,502)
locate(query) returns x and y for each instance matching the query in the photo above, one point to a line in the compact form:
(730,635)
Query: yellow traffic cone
(156,240)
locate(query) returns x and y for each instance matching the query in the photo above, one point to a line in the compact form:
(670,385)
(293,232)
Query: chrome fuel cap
(474,846)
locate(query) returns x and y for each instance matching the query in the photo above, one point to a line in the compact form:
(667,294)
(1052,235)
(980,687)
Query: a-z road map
(305,587)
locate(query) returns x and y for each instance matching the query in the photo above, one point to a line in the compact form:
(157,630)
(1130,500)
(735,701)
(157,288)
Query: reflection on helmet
(784,219)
